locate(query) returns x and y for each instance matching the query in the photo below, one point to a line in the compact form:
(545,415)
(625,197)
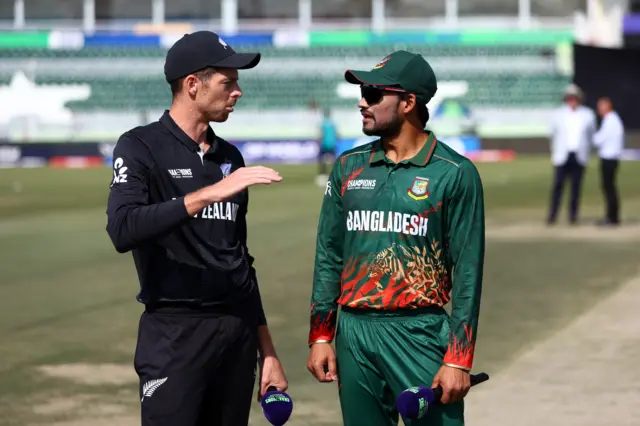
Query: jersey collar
(171,125)
(420,159)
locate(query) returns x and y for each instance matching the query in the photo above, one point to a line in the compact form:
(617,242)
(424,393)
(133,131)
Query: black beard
(390,131)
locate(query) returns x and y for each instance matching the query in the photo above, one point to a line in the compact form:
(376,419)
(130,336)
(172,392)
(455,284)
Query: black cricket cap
(203,49)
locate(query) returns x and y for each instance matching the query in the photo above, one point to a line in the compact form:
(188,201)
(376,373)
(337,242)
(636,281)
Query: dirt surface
(92,374)
(586,374)
(531,231)
(97,421)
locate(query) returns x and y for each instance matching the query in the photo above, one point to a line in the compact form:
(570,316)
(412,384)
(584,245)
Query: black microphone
(413,403)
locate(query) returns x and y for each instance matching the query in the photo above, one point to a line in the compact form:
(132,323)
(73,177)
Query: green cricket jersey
(401,236)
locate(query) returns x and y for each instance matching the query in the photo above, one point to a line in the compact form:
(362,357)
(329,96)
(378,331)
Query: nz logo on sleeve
(119,171)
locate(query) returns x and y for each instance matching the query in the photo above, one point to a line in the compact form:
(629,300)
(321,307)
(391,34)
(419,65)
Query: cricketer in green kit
(401,233)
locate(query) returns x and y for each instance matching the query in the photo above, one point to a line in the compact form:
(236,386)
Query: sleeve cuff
(257,300)
(459,367)
(319,341)
(323,326)
(262,319)
(178,209)
(463,361)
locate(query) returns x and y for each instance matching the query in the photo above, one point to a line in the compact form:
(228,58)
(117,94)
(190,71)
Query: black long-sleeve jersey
(181,261)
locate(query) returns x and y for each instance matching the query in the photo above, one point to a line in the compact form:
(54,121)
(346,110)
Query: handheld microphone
(276,406)
(413,403)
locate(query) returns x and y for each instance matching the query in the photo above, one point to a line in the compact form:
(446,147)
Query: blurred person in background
(328,144)
(572,129)
(609,140)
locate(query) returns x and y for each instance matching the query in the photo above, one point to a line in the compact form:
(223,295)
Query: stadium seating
(293,52)
(296,86)
(130,93)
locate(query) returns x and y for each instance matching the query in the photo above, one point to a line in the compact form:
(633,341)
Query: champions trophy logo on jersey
(226,169)
(420,189)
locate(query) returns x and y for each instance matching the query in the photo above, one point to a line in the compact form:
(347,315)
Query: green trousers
(380,354)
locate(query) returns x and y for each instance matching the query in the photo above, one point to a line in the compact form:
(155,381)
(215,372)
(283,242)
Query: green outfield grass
(67,297)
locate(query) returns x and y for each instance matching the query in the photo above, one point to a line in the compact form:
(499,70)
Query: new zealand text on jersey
(380,221)
(223,211)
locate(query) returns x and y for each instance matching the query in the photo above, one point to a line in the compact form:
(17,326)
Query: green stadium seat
(374,51)
(272,92)
(267,90)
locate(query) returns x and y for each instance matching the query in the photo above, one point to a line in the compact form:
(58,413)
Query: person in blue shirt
(328,142)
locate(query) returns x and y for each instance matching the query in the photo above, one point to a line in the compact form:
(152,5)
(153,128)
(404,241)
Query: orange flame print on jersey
(396,278)
(460,351)
(323,325)
(433,209)
(352,176)
(352,288)
(370,293)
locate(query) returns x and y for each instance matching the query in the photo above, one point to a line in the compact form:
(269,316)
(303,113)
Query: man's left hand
(271,374)
(455,383)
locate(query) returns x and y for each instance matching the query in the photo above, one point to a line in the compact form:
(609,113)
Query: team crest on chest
(420,189)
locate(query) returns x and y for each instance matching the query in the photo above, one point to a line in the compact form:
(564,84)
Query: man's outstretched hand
(236,182)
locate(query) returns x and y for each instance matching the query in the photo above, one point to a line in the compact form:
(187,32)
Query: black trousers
(574,172)
(196,370)
(608,175)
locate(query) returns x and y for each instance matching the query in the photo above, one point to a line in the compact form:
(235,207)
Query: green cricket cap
(408,70)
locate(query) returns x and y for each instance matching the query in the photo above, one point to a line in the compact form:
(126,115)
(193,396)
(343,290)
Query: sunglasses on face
(374,94)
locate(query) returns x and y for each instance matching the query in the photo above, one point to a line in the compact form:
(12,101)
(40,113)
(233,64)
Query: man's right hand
(243,178)
(236,182)
(321,357)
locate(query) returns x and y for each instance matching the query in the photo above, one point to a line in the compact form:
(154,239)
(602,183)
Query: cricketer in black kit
(178,201)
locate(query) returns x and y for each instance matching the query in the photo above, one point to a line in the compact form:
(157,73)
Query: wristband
(319,341)
(459,367)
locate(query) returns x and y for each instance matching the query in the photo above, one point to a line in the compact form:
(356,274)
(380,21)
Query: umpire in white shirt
(609,141)
(572,129)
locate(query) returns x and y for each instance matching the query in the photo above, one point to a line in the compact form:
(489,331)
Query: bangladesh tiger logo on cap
(382,63)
